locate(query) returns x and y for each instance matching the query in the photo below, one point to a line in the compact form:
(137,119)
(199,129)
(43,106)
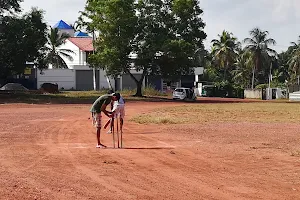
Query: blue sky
(279,17)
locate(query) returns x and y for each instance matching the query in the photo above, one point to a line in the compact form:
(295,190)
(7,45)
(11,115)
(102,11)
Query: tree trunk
(94,79)
(256,66)
(138,82)
(253,71)
(225,70)
(138,89)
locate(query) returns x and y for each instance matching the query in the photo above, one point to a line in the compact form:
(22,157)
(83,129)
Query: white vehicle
(184,94)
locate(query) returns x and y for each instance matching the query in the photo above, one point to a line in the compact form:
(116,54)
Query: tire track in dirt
(110,184)
(51,137)
(164,161)
(25,175)
(90,172)
(70,167)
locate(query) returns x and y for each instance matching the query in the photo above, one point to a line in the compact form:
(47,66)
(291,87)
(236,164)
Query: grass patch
(235,112)
(79,94)
(68,97)
(147,91)
(155,119)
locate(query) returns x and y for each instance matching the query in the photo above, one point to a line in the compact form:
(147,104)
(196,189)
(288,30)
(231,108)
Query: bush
(151,91)
(262,86)
(146,91)
(225,89)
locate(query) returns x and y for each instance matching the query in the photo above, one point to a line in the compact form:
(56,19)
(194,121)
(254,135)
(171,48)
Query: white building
(78,76)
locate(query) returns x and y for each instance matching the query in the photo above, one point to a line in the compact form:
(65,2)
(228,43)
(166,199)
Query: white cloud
(67,10)
(283,10)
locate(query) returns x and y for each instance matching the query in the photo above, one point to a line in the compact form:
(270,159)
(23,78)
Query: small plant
(151,91)
(147,91)
(157,119)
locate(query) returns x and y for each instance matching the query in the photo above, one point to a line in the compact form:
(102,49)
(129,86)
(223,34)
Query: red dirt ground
(48,152)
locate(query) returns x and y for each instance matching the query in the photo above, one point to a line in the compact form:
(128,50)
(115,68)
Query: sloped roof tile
(83,43)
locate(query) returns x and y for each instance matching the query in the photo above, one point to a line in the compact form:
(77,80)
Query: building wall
(65,78)
(188,81)
(104,81)
(253,94)
(84,79)
(129,83)
(78,56)
(199,70)
(80,78)
(155,82)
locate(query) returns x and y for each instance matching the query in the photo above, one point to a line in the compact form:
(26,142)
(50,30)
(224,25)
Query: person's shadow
(148,148)
(141,148)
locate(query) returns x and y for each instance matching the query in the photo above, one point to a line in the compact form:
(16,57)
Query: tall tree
(294,60)
(10,5)
(259,44)
(157,37)
(281,70)
(242,71)
(225,51)
(115,21)
(52,53)
(183,39)
(20,41)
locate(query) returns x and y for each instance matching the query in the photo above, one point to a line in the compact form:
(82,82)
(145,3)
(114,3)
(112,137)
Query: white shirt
(121,102)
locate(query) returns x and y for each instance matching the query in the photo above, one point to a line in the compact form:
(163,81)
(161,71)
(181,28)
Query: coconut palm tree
(294,60)
(259,44)
(242,71)
(53,54)
(282,72)
(224,51)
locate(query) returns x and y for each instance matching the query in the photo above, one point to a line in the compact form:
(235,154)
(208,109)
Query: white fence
(253,94)
(295,96)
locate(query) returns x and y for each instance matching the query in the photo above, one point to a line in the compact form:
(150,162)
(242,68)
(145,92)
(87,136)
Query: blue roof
(81,34)
(62,25)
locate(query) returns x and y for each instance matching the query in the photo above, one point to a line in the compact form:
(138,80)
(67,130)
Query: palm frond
(67,51)
(62,38)
(294,44)
(69,57)
(270,41)
(271,51)
(250,41)
(58,62)
(250,47)
(215,41)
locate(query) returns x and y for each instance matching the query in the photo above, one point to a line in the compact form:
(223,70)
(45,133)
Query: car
(184,94)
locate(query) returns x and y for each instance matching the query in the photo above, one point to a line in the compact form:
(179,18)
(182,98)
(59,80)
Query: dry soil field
(187,151)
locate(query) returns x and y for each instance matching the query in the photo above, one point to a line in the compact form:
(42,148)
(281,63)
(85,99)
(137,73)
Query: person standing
(99,107)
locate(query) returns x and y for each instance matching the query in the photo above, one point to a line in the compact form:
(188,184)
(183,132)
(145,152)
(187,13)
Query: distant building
(79,76)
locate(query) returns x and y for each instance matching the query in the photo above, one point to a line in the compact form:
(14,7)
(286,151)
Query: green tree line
(251,62)
(155,37)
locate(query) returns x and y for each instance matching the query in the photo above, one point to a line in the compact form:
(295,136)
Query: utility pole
(270,77)
(94,70)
